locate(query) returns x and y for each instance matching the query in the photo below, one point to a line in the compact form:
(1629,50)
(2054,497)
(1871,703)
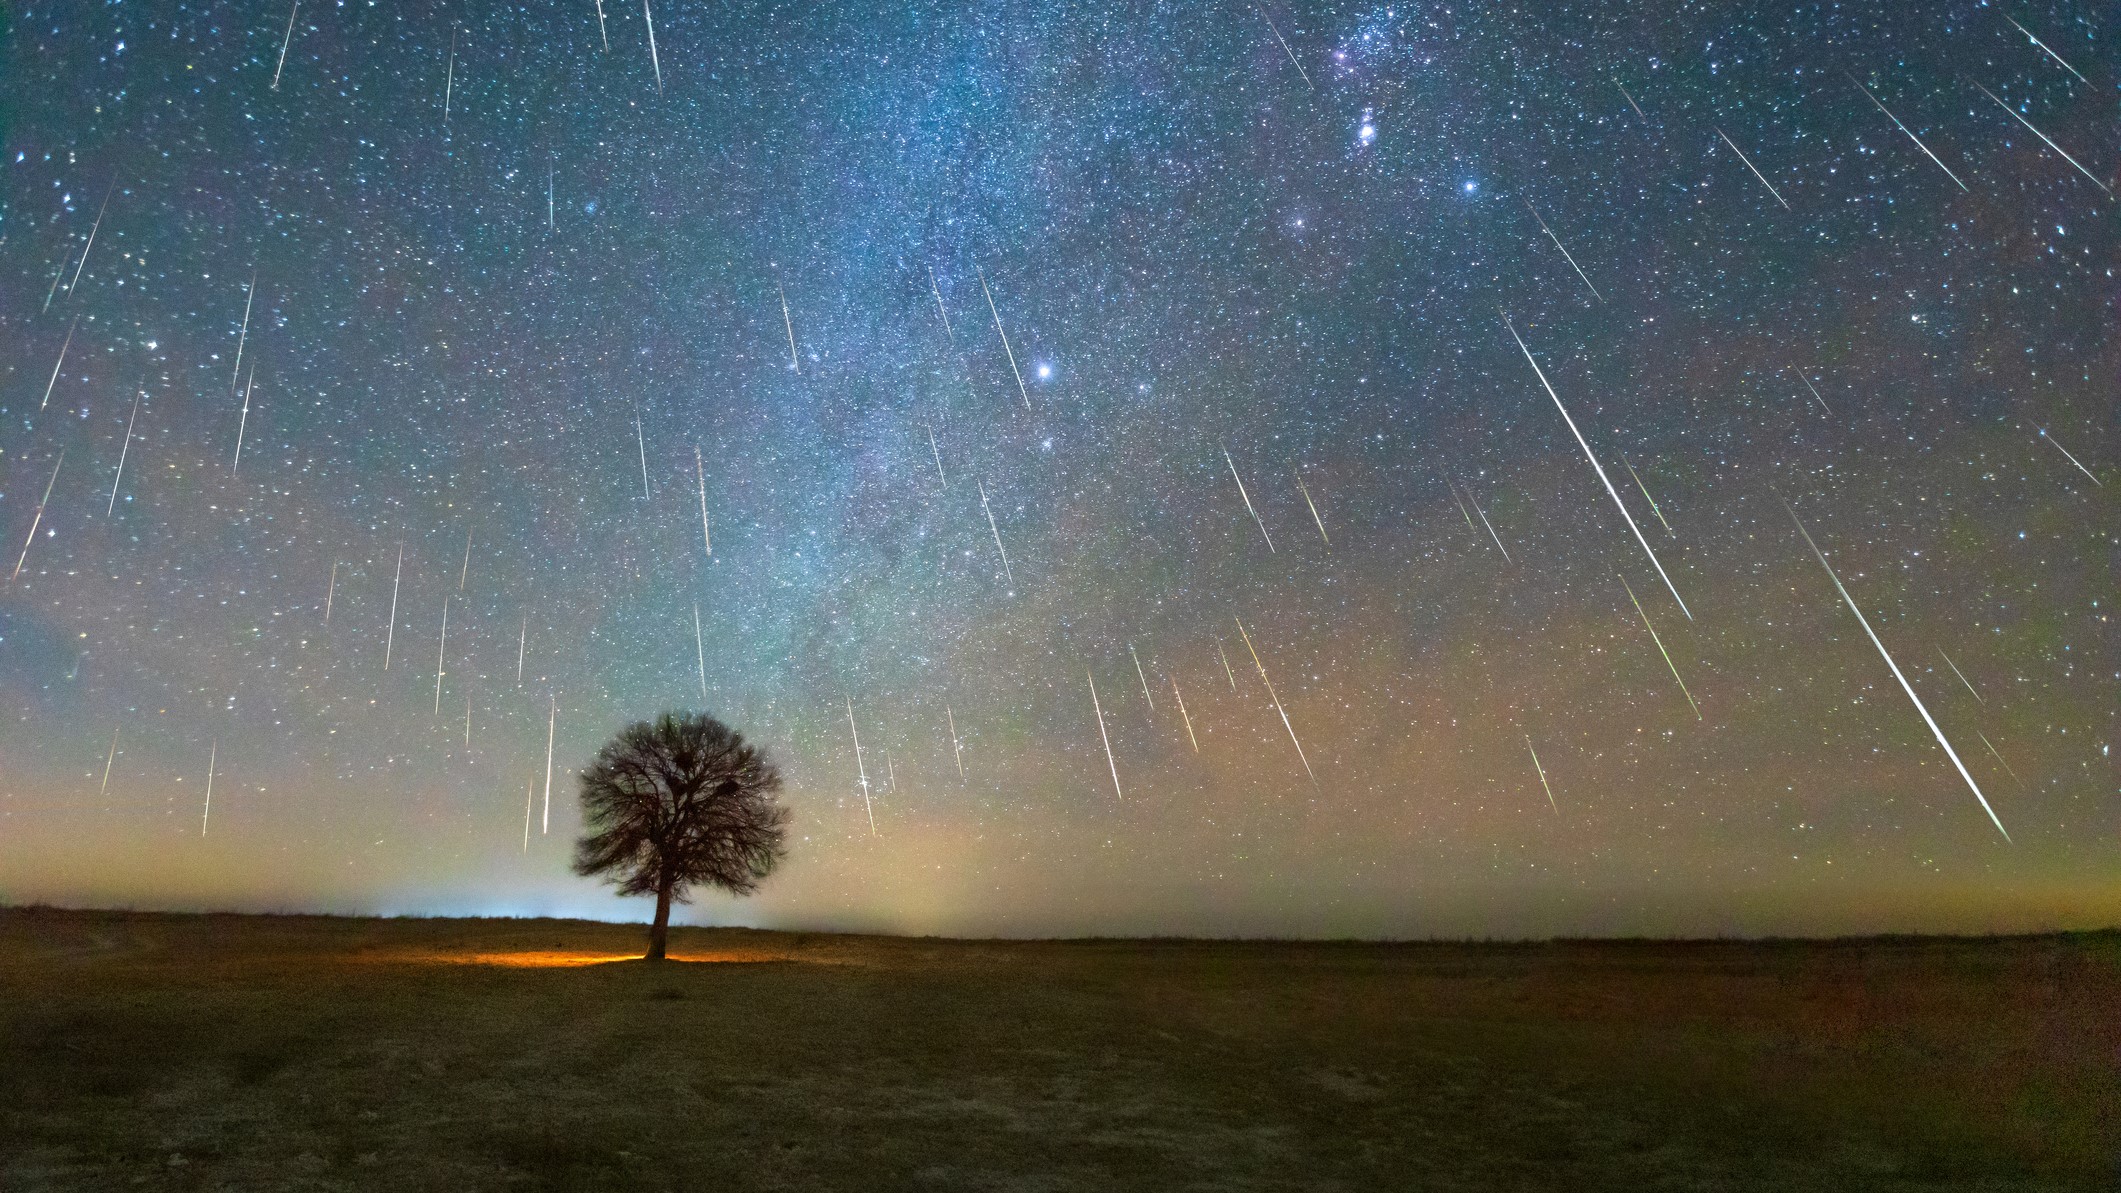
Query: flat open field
(229,1052)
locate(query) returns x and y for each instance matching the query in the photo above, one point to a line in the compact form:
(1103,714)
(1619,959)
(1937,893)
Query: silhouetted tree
(678,802)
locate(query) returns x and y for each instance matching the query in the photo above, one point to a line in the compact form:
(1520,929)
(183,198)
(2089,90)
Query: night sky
(508,281)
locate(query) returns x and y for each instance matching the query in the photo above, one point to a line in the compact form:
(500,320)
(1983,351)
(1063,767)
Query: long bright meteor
(1110,761)
(1660,648)
(2050,143)
(1284,713)
(1903,128)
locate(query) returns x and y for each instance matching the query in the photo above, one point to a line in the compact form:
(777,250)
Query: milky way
(993,348)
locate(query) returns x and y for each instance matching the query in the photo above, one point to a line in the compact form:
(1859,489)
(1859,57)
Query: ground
(231,1052)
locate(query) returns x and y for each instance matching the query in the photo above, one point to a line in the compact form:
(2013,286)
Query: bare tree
(678,802)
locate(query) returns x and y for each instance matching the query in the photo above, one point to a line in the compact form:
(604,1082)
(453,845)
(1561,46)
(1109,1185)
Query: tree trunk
(659,933)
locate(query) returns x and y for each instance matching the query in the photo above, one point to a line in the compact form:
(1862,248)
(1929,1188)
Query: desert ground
(146,1051)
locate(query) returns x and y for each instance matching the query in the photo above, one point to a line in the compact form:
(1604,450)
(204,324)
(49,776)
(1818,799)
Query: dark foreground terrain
(226,1052)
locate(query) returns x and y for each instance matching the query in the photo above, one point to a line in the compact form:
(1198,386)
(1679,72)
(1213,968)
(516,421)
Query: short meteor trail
(1903,128)
(213,751)
(1276,699)
(789,323)
(652,59)
(1646,496)
(1321,522)
(957,752)
(1181,698)
(1905,686)
(859,768)
(938,454)
(601,31)
(1599,468)
(992,310)
(2050,144)
(1815,392)
(1110,761)
(449,82)
(39,519)
(390,636)
(550,220)
(1144,676)
(1460,500)
(1248,499)
(699,648)
(1660,648)
(249,296)
(2072,458)
(1491,528)
(522,644)
(700,466)
(112,757)
(641,440)
(1542,773)
(331,589)
(1225,657)
(92,236)
(530,795)
(243,423)
(1999,758)
(441,652)
(464,572)
(937,290)
(123,449)
(1962,677)
(1006,573)
(1564,251)
(1755,169)
(2043,46)
(552,721)
(58,364)
(288,37)
(1631,99)
(1301,73)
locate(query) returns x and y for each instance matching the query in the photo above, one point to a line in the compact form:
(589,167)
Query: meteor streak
(1660,648)
(441,652)
(530,795)
(248,296)
(390,636)
(1599,468)
(464,573)
(92,236)
(58,364)
(1099,709)
(449,81)
(552,721)
(1646,496)
(2050,144)
(699,649)
(2043,46)
(2072,459)
(1815,392)
(1276,699)
(1181,698)
(641,440)
(601,31)
(522,642)
(937,290)
(1905,686)
(243,423)
(1564,251)
(789,323)
(859,768)
(1962,677)
(1144,676)
(1286,50)
(1025,393)
(213,750)
(957,751)
(112,757)
(1631,99)
(1999,758)
(284,40)
(1225,657)
(1314,512)
(938,454)
(1006,573)
(39,519)
(652,59)
(1248,499)
(1491,528)
(700,466)
(1542,773)
(123,449)
(1903,128)
(1755,169)
(331,588)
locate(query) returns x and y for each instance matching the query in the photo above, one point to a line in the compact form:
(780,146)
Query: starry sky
(1054,378)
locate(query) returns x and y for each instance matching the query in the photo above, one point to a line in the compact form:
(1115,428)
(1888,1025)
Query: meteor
(1660,648)
(1276,699)
(441,652)
(1631,99)
(652,59)
(1314,512)
(213,750)
(123,450)
(390,636)
(243,423)
(58,364)
(1815,392)
(937,290)
(1224,655)
(522,642)
(1286,50)
(284,40)
(2050,144)
(449,82)
(530,794)
(859,768)
(1999,759)
(1599,468)
(464,573)
(1905,686)
(1755,169)
(1453,486)
(789,324)
(250,294)
(1006,573)
(641,440)
(112,757)
(38,520)
(938,454)
(2072,459)
(331,588)
(699,648)
(1026,394)
(957,752)
(700,466)
(552,720)
(550,220)
(1962,677)
(601,31)
(1646,496)
(1564,251)
(1248,499)
(1144,676)
(83,264)
(1099,709)
(52,293)
(1181,698)
(1491,527)
(1542,773)
(2043,46)
(1903,128)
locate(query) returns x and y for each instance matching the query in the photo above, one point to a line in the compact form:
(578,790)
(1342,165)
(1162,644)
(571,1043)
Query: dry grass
(223,1052)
